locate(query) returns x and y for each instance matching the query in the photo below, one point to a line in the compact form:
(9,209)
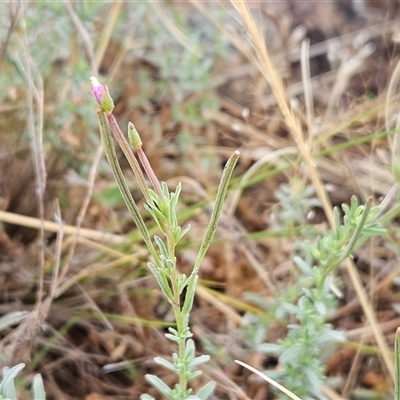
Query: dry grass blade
(50,226)
(331,394)
(235,196)
(58,251)
(390,99)
(85,36)
(269,380)
(229,312)
(13,19)
(264,62)
(173,29)
(306,79)
(82,211)
(35,95)
(107,31)
(348,68)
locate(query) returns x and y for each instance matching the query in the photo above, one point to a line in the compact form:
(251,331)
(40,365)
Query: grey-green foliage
(12,318)
(295,202)
(185,59)
(50,46)
(7,385)
(308,303)
(300,350)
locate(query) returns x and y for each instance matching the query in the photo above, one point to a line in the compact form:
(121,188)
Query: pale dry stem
(35,97)
(107,31)
(50,226)
(82,212)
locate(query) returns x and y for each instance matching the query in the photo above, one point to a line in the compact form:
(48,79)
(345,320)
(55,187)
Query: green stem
(397,365)
(180,321)
(126,148)
(123,187)
(150,172)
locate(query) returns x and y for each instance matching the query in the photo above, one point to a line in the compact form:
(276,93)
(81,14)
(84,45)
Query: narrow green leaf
(182,282)
(146,397)
(220,197)
(157,216)
(184,232)
(336,217)
(38,388)
(193,375)
(271,348)
(7,384)
(190,349)
(357,232)
(305,268)
(206,391)
(190,292)
(161,246)
(157,383)
(12,318)
(173,338)
(199,360)
(176,195)
(165,364)
(161,280)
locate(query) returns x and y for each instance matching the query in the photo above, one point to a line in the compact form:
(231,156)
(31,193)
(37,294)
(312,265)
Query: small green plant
(7,386)
(311,299)
(185,59)
(295,202)
(161,204)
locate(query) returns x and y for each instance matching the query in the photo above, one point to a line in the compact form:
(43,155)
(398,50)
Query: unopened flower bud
(102,95)
(134,137)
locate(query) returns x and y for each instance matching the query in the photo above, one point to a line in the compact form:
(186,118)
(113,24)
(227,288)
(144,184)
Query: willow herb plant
(178,288)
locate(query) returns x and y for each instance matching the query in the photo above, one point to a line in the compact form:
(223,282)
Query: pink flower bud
(102,95)
(97,89)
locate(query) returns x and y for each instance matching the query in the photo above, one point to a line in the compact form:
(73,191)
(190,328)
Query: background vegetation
(313,110)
